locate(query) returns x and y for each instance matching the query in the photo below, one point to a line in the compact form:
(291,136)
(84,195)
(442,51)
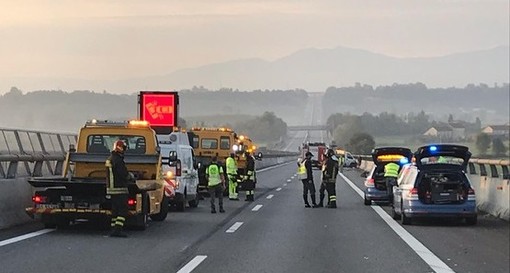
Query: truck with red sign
(81,192)
(318,149)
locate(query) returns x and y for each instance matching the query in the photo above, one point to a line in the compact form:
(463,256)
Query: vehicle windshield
(104,143)
(442,160)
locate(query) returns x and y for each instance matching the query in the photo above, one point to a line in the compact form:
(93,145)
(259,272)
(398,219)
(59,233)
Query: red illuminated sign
(159,108)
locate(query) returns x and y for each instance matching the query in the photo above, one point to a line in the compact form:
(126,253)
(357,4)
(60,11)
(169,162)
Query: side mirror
(259,156)
(364,174)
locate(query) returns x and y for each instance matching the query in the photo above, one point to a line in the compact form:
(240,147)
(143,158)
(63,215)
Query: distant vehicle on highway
(436,186)
(318,149)
(375,183)
(349,159)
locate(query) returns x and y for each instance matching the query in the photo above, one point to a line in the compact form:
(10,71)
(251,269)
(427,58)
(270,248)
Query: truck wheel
(161,216)
(141,220)
(181,205)
(194,203)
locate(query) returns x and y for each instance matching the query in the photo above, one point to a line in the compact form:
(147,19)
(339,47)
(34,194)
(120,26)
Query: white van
(350,161)
(179,159)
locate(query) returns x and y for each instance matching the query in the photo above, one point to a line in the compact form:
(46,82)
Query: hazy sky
(117,39)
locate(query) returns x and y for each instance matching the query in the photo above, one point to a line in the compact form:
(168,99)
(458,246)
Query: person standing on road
(305,173)
(117,179)
(232,177)
(341,162)
(390,177)
(329,173)
(249,177)
(215,184)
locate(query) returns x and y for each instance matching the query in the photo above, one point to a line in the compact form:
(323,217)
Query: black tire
(367,202)
(141,220)
(161,216)
(180,206)
(471,221)
(50,225)
(194,203)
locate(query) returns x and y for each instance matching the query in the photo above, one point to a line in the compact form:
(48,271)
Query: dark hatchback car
(375,183)
(435,186)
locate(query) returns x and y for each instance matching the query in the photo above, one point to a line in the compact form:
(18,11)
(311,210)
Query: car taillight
(131,201)
(178,168)
(39,199)
(413,194)
(471,194)
(369,183)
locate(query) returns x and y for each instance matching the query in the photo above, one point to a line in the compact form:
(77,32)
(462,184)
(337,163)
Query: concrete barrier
(15,196)
(490,185)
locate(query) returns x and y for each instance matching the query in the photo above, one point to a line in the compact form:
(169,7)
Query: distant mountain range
(313,70)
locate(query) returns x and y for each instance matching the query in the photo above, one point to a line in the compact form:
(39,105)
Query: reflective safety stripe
(391,170)
(117,191)
(111,185)
(332,198)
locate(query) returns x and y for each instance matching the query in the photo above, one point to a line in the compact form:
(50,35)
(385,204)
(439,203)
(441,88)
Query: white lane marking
(24,237)
(279,189)
(288,180)
(256,208)
(284,184)
(234,227)
(269,196)
(192,264)
(427,256)
(274,167)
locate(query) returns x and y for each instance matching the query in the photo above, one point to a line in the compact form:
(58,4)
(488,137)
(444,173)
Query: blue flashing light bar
(404,160)
(433,148)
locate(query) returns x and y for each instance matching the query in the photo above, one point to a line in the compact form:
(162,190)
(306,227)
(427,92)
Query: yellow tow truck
(219,142)
(81,192)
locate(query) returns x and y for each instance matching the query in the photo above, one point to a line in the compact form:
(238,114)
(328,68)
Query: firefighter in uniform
(232,177)
(249,177)
(390,176)
(329,173)
(117,180)
(341,162)
(305,173)
(215,184)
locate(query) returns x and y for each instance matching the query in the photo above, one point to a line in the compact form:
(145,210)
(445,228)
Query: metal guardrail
(33,150)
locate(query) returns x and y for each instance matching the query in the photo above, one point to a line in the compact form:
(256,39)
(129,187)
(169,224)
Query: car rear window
(441,160)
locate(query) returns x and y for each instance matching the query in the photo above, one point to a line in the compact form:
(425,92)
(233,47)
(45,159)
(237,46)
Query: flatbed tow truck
(81,192)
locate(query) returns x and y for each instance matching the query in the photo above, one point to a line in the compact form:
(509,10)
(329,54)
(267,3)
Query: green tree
(498,147)
(483,142)
(361,143)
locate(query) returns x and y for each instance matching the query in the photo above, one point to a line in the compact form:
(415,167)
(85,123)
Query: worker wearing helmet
(249,177)
(329,173)
(117,180)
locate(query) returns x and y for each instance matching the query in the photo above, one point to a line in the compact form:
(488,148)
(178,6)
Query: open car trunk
(442,188)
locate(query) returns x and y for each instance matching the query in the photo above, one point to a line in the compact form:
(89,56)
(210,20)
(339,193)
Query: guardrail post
(472,169)
(506,175)
(12,170)
(37,169)
(494,171)
(58,167)
(483,171)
